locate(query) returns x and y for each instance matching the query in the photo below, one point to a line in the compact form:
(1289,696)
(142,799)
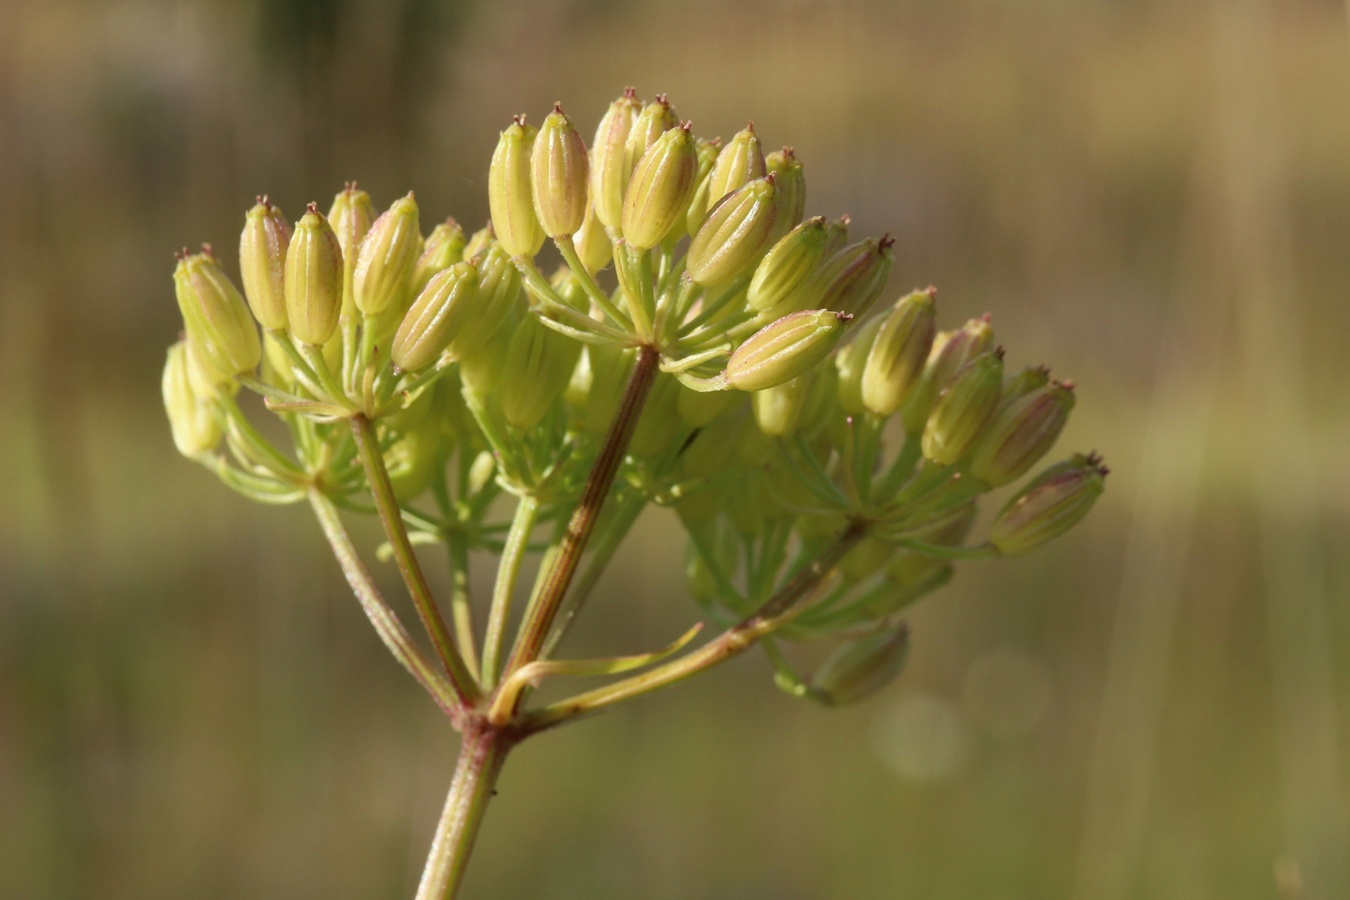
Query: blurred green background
(1153,197)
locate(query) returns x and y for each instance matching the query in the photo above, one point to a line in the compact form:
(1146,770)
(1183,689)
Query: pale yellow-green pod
(735,234)
(610,166)
(861,667)
(384,266)
(963,410)
(785,279)
(500,300)
(350,217)
(313,279)
(853,279)
(539,362)
(895,363)
(592,243)
(218,322)
(510,197)
(778,409)
(740,162)
(950,352)
(784,349)
(660,188)
(851,362)
(442,249)
(262,263)
(652,121)
(560,173)
(446,309)
(791,189)
(1054,502)
(195,430)
(1021,433)
(707,149)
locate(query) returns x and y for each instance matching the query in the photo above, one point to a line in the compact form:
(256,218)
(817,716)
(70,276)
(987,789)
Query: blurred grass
(1151,197)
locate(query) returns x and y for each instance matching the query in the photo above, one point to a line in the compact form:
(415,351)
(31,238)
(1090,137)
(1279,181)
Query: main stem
(539,617)
(482,751)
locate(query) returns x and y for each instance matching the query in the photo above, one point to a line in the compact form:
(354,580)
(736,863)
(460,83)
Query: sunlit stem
(513,554)
(568,248)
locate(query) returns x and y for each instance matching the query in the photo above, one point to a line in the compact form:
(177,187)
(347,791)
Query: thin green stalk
(481,754)
(513,554)
(383,492)
(378,611)
(568,248)
(544,608)
(461,609)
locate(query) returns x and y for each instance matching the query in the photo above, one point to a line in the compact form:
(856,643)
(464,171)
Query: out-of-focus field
(1152,197)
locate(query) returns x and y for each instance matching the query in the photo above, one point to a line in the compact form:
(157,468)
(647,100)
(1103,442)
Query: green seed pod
(963,410)
(659,426)
(895,362)
(785,280)
(350,217)
(559,172)
(313,279)
(262,263)
(853,279)
(195,430)
(538,364)
(851,363)
(384,266)
(218,323)
(276,369)
(660,189)
(778,409)
(791,189)
(443,248)
(908,568)
(610,166)
(740,162)
(1052,504)
(654,120)
(836,235)
(1027,381)
(734,235)
(707,149)
(822,402)
(499,300)
(784,349)
(510,197)
(447,309)
(593,244)
(479,242)
(950,353)
(1021,433)
(860,668)
(698,408)
(596,389)
(481,367)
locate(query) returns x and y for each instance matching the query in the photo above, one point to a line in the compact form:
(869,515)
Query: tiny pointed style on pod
(951,351)
(262,263)
(195,430)
(386,259)
(836,235)
(560,174)
(610,166)
(1021,433)
(660,188)
(853,279)
(851,363)
(895,362)
(442,249)
(447,309)
(350,217)
(734,235)
(964,409)
(740,162)
(784,278)
(791,189)
(707,149)
(218,323)
(313,279)
(862,667)
(1050,505)
(784,349)
(510,197)
(654,120)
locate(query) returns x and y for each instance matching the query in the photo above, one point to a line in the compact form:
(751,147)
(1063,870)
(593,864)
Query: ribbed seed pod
(481,367)
(510,197)
(660,188)
(853,279)
(262,263)
(350,217)
(1029,379)
(479,242)
(560,173)
(836,235)
(383,275)
(448,308)
(851,362)
(1021,433)
(950,353)
(740,162)
(538,364)
(442,249)
(778,409)
(195,431)
(218,323)
(1052,504)
(862,667)
(734,235)
(963,410)
(791,189)
(610,166)
(654,120)
(500,299)
(707,149)
(593,244)
(785,278)
(313,279)
(784,349)
(895,362)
